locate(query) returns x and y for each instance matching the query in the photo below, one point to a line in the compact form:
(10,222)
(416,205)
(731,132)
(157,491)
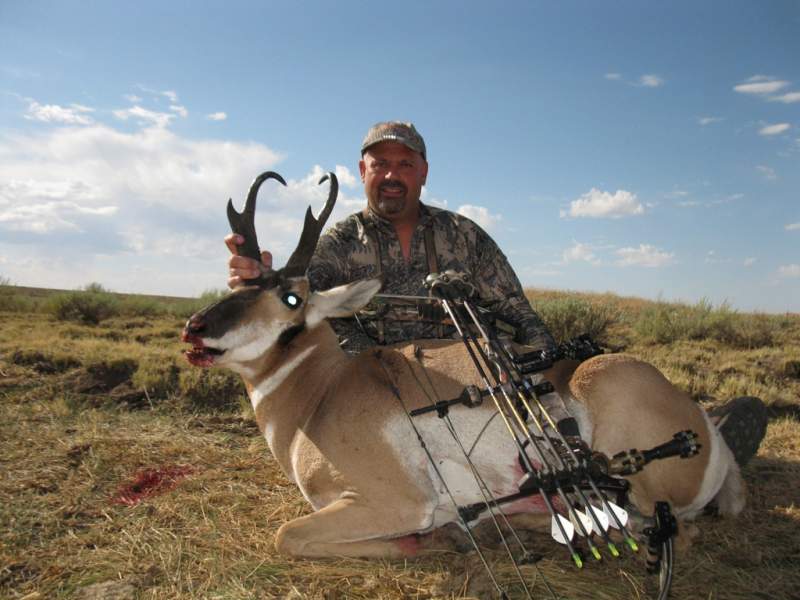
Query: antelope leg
(348,528)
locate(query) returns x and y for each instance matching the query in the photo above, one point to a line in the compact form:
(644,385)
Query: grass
(87,409)
(93,303)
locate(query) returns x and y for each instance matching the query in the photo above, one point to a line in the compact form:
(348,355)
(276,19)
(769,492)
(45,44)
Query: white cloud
(709,120)
(749,261)
(145,116)
(50,216)
(75,114)
(67,175)
(132,98)
(776,129)
(788,98)
(789,271)
(598,204)
(143,210)
(644,256)
(768,172)
(480,215)
(651,81)
(793,227)
(345,177)
(181,110)
(170,95)
(217,116)
(647,80)
(760,85)
(580,252)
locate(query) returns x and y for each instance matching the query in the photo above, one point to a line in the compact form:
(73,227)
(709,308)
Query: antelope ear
(341,301)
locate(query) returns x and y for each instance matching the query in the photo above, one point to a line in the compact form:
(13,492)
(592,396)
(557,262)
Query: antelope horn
(244,223)
(298,262)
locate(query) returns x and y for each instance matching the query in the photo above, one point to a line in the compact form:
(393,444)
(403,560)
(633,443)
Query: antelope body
(341,432)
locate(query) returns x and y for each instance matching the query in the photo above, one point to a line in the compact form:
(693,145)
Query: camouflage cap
(395,131)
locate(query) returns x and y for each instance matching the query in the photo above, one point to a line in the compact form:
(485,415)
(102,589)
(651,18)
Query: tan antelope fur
(340,434)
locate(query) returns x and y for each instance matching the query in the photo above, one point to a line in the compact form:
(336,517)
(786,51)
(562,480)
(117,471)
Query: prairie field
(126,473)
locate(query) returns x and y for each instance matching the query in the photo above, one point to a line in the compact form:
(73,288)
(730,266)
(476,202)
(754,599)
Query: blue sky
(644,148)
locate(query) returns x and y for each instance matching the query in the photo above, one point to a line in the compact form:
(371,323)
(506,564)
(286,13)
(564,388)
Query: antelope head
(274,308)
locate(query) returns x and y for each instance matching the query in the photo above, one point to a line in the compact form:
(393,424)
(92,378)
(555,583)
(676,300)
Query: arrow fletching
(621,514)
(585,520)
(559,532)
(602,518)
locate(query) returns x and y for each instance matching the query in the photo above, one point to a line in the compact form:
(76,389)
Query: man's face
(393,177)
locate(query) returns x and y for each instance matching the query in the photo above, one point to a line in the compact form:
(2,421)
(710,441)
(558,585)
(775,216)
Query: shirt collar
(371,217)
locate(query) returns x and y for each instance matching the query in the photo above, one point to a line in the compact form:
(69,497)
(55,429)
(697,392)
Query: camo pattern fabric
(350,250)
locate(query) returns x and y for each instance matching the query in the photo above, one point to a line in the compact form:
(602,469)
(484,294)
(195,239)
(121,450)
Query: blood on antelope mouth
(200,355)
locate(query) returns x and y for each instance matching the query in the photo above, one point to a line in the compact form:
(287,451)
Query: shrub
(665,323)
(96,288)
(186,308)
(90,307)
(141,306)
(568,317)
(212,295)
(14,302)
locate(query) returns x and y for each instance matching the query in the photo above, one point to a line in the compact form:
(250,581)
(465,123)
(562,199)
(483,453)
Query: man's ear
(362,168)
(340,301)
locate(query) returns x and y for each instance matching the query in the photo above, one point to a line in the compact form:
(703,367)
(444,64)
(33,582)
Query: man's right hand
(241,268)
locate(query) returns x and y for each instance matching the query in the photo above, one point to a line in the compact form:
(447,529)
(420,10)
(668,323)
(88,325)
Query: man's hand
(241,268)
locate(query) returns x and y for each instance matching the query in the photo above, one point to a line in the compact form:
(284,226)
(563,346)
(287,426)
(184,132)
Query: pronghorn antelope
(338,429)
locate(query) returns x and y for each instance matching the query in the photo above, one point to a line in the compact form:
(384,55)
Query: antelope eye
(292,300)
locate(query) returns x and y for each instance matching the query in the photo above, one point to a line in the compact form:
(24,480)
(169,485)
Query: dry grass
(71,436)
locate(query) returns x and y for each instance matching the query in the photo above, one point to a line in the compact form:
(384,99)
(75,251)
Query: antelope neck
(312,350)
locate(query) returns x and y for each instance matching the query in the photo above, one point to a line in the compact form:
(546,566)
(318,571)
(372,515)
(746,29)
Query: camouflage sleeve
(499,285)
(328,269)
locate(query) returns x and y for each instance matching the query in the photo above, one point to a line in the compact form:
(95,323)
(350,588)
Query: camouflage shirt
(365,246)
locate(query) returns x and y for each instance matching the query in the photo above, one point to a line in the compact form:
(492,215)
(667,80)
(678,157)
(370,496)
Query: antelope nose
(193,326)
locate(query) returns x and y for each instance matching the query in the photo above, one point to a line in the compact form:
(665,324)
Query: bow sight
(574,483)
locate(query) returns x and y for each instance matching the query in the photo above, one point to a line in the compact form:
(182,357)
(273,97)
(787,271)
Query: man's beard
(391,205)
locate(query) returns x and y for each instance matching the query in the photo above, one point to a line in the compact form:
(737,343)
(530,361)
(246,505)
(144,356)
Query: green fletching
(613,549)
(632,544)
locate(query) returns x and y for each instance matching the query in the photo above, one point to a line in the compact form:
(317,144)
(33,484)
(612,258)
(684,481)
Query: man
(400,240)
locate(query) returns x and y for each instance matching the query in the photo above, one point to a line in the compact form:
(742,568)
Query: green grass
(85,408)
